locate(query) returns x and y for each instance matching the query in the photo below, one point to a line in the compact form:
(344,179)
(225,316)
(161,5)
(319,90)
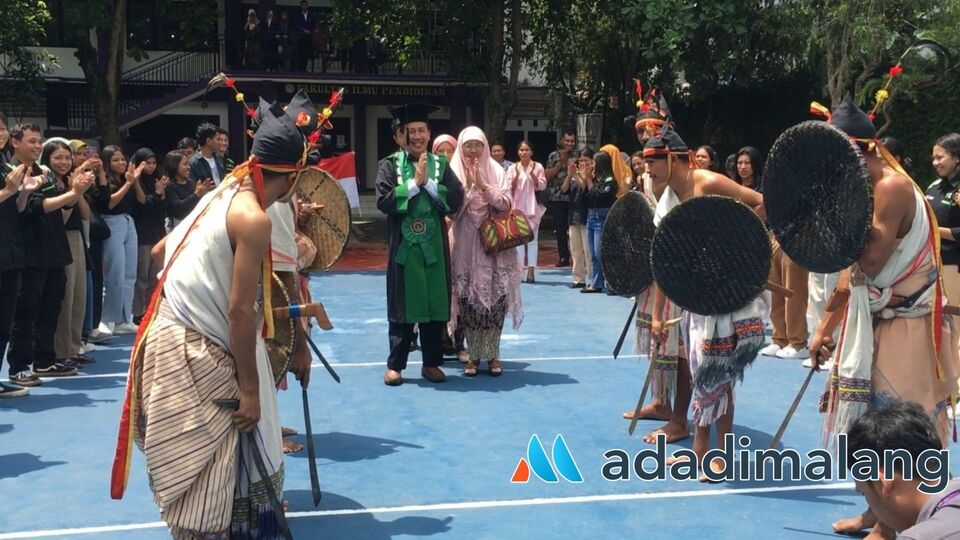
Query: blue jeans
(119,269)
(595,219)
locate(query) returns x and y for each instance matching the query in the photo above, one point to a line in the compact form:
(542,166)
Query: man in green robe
(416,189)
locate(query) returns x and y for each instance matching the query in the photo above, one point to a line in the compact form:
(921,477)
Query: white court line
(473,505)
(383,363)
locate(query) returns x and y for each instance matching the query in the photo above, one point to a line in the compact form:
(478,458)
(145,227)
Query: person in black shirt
(120,249)
(573,188)
(68,341)
(11,254)
(46,253)
(5,148)
(149,219)
(943,197)
(601,193)
(182,192)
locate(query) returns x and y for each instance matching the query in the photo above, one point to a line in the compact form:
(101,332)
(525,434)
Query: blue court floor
(426,460)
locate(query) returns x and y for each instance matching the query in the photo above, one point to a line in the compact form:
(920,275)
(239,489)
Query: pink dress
(528,181)
(485,287)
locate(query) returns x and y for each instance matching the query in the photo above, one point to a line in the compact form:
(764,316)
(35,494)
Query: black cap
(303,112)
(668,141)
(413,112)
(850,119)
(278,140)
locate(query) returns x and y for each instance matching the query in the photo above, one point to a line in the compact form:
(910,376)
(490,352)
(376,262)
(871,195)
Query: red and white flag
(344,169)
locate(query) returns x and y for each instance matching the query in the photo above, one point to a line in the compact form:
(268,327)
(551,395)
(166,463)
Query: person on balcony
(270,29)
(252,44)
(302,27)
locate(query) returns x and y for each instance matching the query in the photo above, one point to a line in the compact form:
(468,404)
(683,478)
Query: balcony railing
(175,68)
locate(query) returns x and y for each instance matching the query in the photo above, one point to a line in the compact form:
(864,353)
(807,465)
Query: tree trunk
(104,79)
(500,99)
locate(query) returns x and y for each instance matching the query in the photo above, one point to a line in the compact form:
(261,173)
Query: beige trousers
(580,252)
(68,338)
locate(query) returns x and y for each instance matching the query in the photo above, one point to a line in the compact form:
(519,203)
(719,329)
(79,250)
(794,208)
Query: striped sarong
(200,470)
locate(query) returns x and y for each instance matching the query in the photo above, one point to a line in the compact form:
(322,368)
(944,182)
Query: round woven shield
(280,347)
(818,196)
(625,244)
(711,255)
(329,228)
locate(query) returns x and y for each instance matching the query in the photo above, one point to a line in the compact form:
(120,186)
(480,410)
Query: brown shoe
(433,374)
(392,377)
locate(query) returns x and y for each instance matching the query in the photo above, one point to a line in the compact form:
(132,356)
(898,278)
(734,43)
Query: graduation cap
(666,143)
(412,112)
(850,119)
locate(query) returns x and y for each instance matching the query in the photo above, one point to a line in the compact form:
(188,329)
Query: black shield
(711,255)
(818,196)
(625,244)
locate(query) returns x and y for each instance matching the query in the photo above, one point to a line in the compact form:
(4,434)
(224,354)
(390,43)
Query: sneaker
(25,378)
(106,328)
(82,359)
(789,353)
(87,347)
(9,390)
(58,369)
(826,366)
(770,350)
(126,328)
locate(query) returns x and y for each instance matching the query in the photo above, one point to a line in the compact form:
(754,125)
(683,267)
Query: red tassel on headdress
(895,70)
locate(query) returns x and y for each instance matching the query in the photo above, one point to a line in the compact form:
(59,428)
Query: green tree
(22,68)
(103,69)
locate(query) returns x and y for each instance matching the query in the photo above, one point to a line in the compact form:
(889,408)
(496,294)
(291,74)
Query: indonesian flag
(344,169)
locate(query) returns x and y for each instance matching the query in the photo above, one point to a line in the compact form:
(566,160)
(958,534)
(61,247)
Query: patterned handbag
(505,231)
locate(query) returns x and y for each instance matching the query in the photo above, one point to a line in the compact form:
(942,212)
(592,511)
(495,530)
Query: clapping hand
(420,173)
(80,181)
(31,184)
(161,185)
(15,177)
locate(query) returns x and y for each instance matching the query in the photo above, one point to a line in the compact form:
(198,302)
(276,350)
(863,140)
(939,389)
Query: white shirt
(212,161)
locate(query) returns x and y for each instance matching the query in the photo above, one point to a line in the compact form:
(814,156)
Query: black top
(11,238)
(150,217)
(126,204)
(578,204)
(942,194)
(603,194)
(181,199)
(44,233)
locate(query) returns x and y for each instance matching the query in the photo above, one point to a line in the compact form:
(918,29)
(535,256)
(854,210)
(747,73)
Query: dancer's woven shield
(711,255)
(818,196)
(328,228)
(625,244)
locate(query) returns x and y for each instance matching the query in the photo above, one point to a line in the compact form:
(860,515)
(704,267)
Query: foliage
(22,69)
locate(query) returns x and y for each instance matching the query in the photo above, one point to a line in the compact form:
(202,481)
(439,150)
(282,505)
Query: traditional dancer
(415,189)
(200,340)
(895,342)
(668,159)
(670,382)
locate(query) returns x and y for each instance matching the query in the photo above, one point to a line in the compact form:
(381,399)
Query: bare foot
(287,431)
(865,520)
(717,467)
(671,460)
(291,447)
(675,431)
(656,410)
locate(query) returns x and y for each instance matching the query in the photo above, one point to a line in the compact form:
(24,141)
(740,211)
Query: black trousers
(9,289)
(560,213)
(431,344)
(35,322)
